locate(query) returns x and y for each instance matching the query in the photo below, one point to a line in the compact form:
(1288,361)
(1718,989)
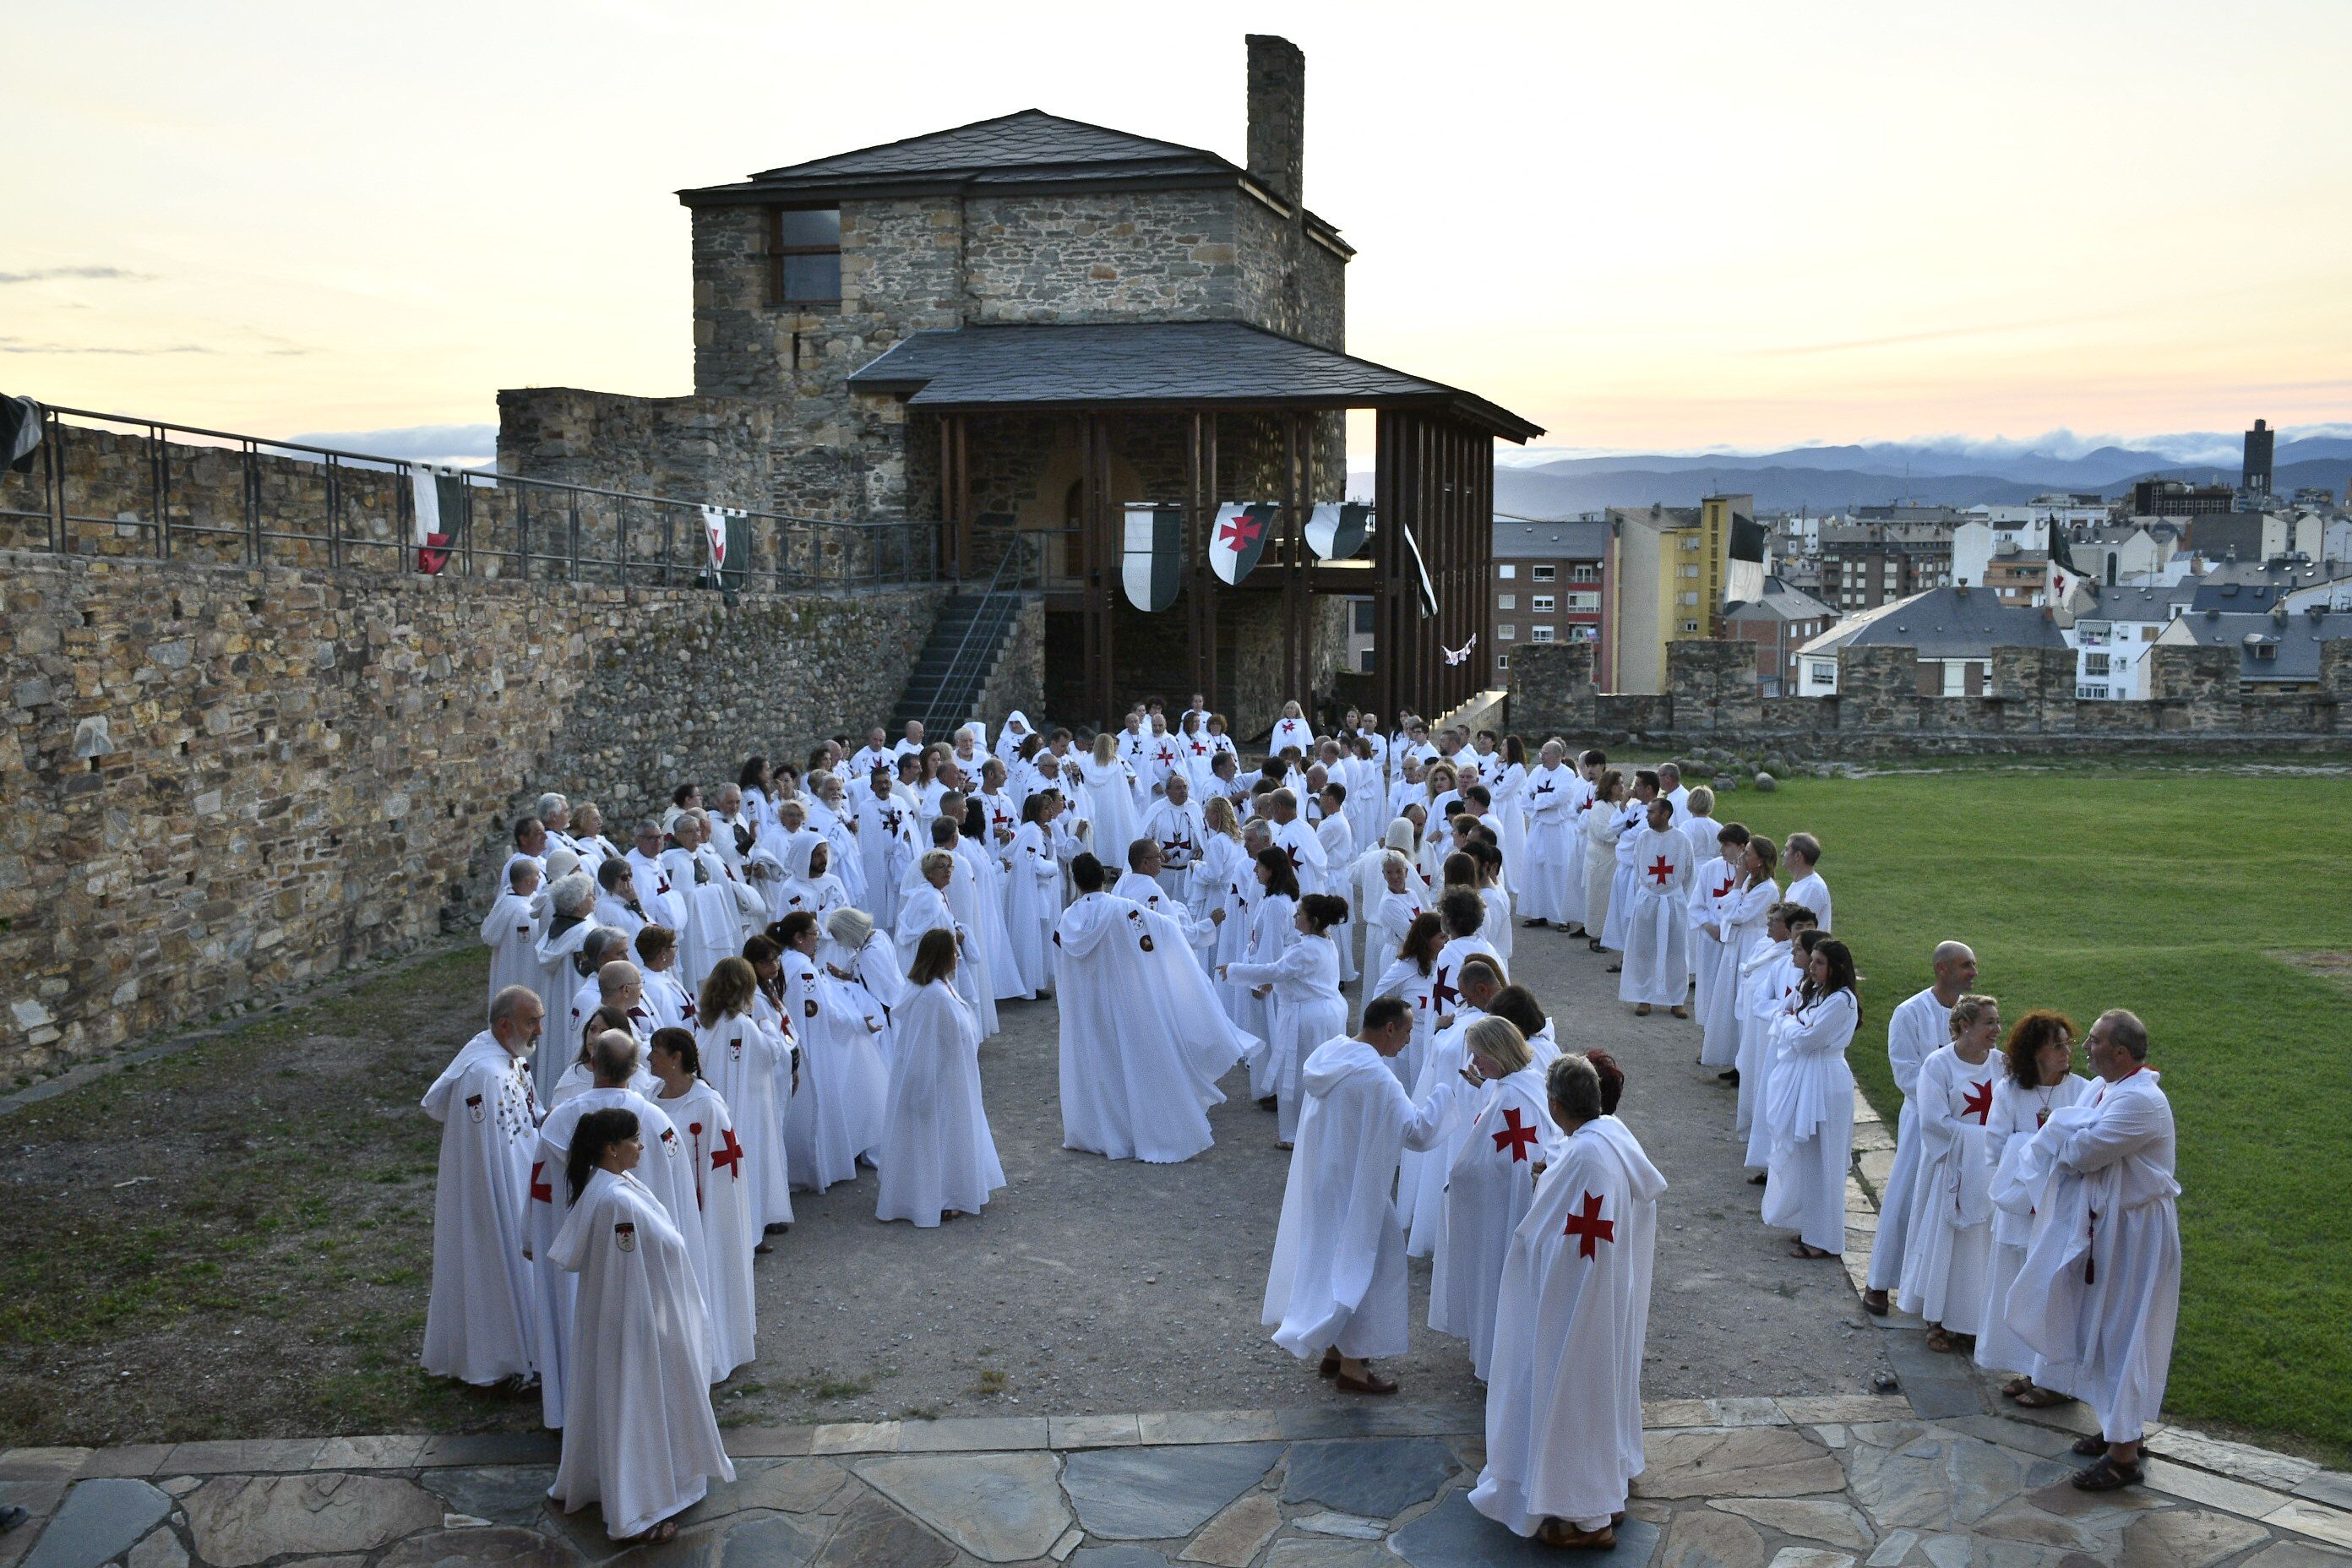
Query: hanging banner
(727,553)
(714,529)
(1153,567)
(431,488)
(1239,536)
(1428,589)
(1337,530)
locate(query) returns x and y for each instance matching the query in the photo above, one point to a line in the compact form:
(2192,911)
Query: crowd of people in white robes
(769,991)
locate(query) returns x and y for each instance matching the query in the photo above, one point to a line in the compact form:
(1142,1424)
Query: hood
(797,851)
(1086,923)
(1135,885)
(1401,839)
(1015,731)
(1642,1176)
(482,1048)
(1335,1061)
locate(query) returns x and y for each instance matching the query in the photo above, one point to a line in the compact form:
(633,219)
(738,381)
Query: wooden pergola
(1425,567)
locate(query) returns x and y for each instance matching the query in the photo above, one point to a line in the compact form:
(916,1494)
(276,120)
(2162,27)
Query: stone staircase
(950,678)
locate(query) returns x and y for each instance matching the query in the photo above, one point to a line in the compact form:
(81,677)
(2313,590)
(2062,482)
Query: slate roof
(1517,539)
(1154,364)
(1780,603)
(2140,602)
(1027,151)
(1947,623)
(2294,643)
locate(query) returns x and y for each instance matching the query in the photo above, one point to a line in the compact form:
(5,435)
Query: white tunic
(1129,1087)
(2098,1297)
(640,1439)
(2018,1113)
(1488,1189)
(1915,1030)
(936,1153)
(1543,887)
(1657,920)
(1337,1278)
(750,1066)
(477,1321)
(1564,1406)
(1947,1258)
(1306,1010)
(1033,902)
(1810,1109)
(511,933)
(730,1230)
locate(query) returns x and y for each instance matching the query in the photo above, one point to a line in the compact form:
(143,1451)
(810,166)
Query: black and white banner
(438,502)
(1151,568)
(1337,530)
(1421,571)
(1238,538)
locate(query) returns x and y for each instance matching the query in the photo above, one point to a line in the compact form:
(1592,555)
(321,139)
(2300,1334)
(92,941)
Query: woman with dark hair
(749,1063)
(2036,1079)
(1272,931)
(937,1157)
(581,1076)
(1306,1007)
(1564,1410)
(1808,1106)
(1600,824)
(757,781)
(638,1433)
(1412,976)
(1518,1005)
(720,1194)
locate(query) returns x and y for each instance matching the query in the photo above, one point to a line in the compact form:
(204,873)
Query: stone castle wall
(2029,705)
(219,780)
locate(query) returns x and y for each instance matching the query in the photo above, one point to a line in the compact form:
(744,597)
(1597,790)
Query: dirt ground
(236,1241)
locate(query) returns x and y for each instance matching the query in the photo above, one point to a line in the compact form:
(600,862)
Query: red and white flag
(1238,538)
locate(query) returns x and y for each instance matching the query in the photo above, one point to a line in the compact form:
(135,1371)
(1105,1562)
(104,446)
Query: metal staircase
(944,688)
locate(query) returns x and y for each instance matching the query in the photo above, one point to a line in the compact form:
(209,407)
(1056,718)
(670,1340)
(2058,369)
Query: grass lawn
(2178,895)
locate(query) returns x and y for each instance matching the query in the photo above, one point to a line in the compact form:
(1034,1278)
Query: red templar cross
(1519,1138)
(1978,1101)
(1589,1228)
(1662,869)
(1292,850)
(1441,992)
(1242,532)
(728,1156)
(541,1192)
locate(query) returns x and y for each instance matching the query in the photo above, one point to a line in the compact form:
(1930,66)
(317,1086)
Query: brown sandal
(2037,1397)
(1800,1249)
(2104,1474)
(661,1534)
(1371,1383)
(1562,1536)
(2015,1386)
(1941,1342)
(1330,1367)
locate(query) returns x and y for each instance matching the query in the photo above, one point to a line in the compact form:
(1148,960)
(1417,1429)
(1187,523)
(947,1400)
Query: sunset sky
(1645,227)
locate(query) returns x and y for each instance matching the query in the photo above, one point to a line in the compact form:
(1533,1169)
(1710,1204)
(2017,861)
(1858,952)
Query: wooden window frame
(777,250)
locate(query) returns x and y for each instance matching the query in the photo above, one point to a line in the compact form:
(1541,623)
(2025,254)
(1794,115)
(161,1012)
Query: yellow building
(1676,569)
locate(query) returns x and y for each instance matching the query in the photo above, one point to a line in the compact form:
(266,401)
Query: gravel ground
(251,1225)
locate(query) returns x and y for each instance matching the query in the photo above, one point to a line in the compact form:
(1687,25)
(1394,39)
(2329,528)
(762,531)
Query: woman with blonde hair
(1599,828)
(1224,890)
(1103,789)
(750,1066)
(1489,1184)
(938,1158)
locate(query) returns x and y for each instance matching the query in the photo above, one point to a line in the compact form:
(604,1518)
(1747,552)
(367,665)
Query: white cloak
(730,1230)
(1033,902)
(1810,1111)
(642,1439)
(750,1066)
(1488,1189)
(511,933)
(1305,1010)
(936,1153)
(477,1324)
(1337,1278)
(1564,1400)
(1129,1086)
(1917,1028)
(1947,1258)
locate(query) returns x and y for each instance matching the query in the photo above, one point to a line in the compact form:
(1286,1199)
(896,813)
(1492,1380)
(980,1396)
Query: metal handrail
(550,535)
(958,689)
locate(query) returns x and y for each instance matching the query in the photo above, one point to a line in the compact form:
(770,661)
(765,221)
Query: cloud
(9,345)
(45,274)
(434,443)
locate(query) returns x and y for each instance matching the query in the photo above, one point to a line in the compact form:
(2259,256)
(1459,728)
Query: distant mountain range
(1832,478)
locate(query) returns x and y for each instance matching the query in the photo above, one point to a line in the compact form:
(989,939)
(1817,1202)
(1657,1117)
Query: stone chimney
(1277,115)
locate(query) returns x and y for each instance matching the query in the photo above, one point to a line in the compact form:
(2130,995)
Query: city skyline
(1827,226)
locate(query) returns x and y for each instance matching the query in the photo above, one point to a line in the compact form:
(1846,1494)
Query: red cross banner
(1153,567)
(714,529)
(1238,538)
(1337,530)
(432,537)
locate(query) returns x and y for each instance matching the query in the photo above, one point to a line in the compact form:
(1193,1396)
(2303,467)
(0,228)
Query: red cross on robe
(1442,992)
(1662,869)
(1292,850)
(1589,1227)
(1978,1101)
(729,1155)
(1517,1136)
(541,1192)
(1198,749)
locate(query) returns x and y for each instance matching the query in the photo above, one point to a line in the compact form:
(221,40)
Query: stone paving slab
(1798,1482)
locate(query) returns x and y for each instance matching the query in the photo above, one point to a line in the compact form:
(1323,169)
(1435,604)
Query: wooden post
(966,523)
(1212,595)
(1290,609)
(1107,556)
(1089,579)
